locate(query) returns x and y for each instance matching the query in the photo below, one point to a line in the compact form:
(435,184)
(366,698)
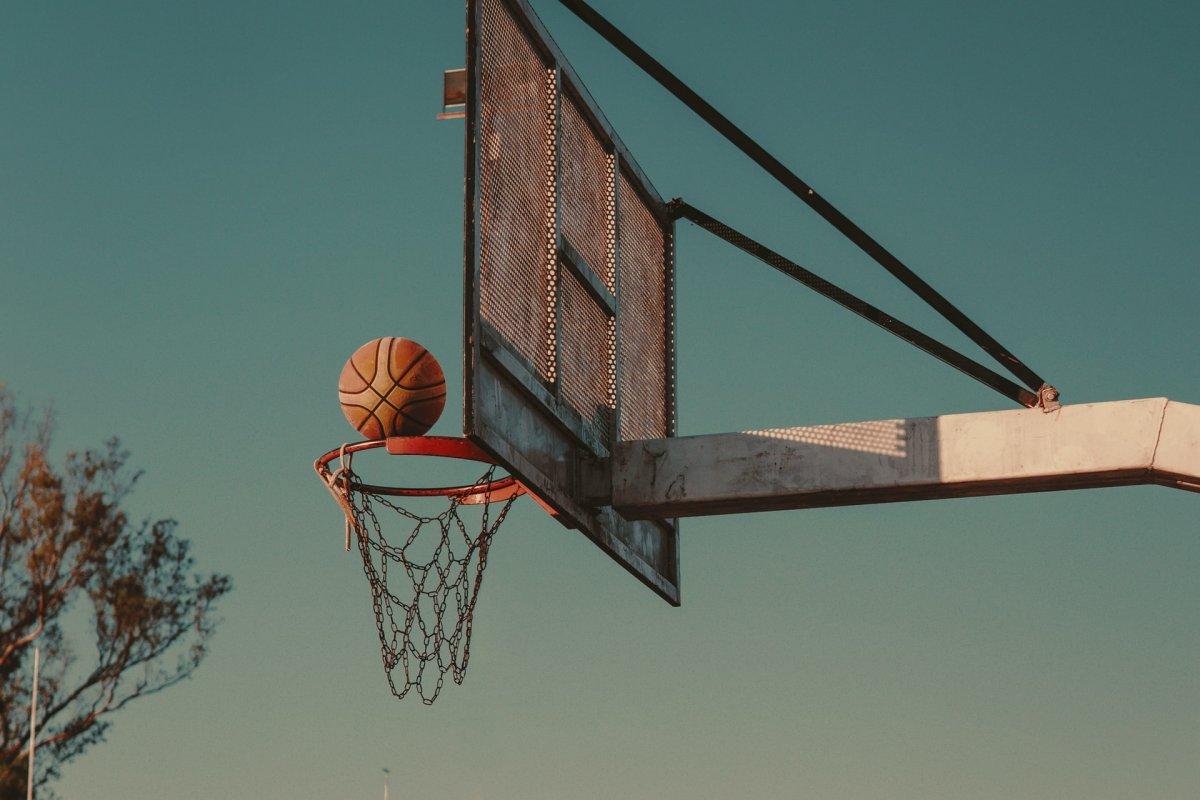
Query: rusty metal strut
(801,189)
(850,302)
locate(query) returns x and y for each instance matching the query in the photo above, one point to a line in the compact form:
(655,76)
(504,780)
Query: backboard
(570,341)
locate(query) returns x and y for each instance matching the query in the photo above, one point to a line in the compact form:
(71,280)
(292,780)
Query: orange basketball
(392,387)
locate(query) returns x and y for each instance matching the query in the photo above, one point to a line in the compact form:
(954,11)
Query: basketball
(392,387)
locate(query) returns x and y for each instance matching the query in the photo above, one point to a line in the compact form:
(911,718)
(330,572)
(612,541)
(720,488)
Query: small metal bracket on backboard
(1048,398)
(454,94)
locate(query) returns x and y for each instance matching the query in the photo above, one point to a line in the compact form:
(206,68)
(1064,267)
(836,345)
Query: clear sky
(205,207)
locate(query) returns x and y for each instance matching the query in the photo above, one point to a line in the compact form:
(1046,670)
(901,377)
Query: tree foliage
(72,561)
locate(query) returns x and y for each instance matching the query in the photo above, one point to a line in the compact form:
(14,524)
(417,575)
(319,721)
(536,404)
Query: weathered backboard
(570,343)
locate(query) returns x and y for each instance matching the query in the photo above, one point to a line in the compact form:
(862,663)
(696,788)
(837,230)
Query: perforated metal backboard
(570,341)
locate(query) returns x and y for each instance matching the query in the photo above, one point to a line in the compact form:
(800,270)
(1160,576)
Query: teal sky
(205,207)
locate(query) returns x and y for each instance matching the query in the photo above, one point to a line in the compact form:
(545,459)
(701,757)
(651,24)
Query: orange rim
(494,491)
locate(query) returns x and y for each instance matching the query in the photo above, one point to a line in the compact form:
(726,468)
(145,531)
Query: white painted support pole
(37,657)
(961,455)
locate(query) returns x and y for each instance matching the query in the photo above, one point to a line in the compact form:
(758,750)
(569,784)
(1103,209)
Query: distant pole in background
(37,655)
(386,772)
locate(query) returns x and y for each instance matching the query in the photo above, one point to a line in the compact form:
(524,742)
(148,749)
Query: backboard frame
(513,414)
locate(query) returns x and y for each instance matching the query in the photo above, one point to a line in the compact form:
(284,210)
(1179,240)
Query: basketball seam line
(409,368)
(359,374)
(401,407)
(422,386)
(410,417)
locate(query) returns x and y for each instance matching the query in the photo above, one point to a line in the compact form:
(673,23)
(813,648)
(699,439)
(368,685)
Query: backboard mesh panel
(586,353)
(586,197)
(570,293)
(645,368)
(517,237)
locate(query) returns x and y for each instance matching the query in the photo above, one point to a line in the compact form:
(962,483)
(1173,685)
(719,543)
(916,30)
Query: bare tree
(68,548)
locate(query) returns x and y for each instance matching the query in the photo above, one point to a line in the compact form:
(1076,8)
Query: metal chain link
(415,630)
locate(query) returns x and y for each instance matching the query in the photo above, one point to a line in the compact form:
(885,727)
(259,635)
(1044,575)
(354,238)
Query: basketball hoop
(492,491)
(420,627)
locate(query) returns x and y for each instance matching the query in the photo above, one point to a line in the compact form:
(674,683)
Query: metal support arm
(1122,443)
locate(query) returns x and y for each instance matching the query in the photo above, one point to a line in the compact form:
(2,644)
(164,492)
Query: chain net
(424,579)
